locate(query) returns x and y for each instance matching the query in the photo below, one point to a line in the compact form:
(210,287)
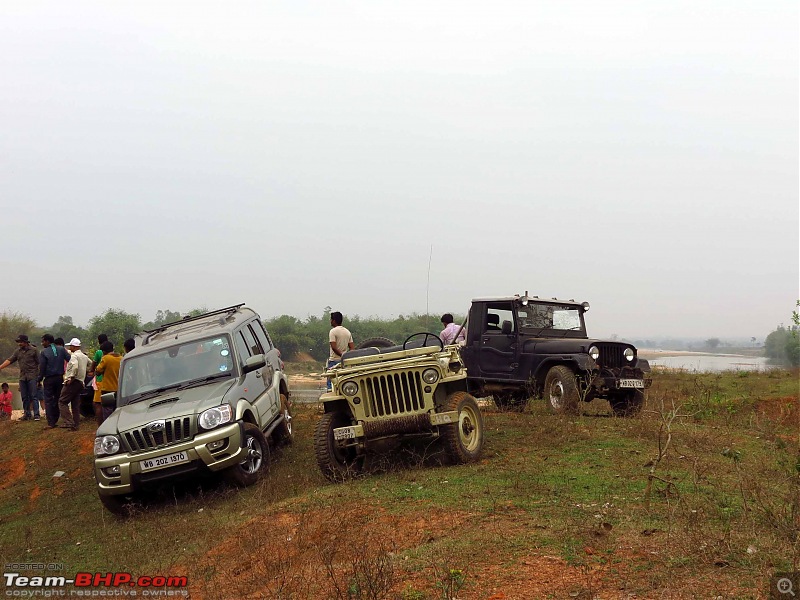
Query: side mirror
(109,400)
(259,361)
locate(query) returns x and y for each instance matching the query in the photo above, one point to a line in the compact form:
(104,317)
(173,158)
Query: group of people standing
(59,373)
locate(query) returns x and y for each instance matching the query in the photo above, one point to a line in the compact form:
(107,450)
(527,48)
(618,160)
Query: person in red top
(5,402)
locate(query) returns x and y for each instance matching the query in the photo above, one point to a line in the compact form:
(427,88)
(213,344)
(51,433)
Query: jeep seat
(431,341)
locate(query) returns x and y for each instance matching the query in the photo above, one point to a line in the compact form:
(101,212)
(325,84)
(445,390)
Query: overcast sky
(639,155)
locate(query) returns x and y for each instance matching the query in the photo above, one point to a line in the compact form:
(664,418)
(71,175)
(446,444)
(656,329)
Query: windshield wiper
(570,329)
(201,380)
(542,329)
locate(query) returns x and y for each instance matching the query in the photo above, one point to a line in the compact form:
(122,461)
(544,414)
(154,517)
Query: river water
(712,363)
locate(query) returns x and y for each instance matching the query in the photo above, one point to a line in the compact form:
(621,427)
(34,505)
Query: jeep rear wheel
(561,390)
(463,440)
(256,450)
(283,433)
(628,403)
(336,462)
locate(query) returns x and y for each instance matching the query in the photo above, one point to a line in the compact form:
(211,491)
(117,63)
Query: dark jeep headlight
(594,352)
(430,376)
(349,388)
(628,354)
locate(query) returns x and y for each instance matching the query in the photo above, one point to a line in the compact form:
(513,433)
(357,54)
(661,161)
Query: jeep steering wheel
(424,341)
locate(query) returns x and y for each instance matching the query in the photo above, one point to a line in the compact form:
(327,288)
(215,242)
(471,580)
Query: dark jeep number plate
(164,461)
(631,383)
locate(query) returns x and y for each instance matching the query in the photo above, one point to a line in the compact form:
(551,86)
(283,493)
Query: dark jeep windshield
(174,366)
(550,319)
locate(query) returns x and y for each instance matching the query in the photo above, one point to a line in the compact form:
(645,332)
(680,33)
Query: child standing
(5,402)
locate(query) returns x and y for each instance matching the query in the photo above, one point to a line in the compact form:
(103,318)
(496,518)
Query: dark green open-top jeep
(519,346)
(417,389)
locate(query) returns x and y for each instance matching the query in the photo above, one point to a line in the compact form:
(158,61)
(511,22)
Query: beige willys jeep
(417,389)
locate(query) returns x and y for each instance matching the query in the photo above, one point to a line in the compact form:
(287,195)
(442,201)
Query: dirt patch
(784,411)
(11,471)
(303,357)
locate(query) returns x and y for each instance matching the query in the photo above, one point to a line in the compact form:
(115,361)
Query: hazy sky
(639,155)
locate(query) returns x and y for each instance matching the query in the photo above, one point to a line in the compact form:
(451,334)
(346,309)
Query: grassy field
(699,497)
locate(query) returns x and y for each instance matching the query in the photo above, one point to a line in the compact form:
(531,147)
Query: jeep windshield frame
(186,364)
(552,319)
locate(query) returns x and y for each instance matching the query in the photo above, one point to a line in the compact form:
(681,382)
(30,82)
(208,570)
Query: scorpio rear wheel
(283,433)
(561,390)
(463,440)
(628,403)
(256,450)
(337,462)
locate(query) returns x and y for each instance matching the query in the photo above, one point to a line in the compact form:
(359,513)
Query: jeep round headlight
(214,417)
(430,376)
(594,352)
(349,388)
(107,444)
(628,354)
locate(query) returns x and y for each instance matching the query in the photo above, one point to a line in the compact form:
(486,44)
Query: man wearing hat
(28,358)
(69,403)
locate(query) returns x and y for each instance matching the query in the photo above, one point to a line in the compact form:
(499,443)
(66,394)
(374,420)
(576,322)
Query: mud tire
(561,391)
(463,441)
(376,342)
(336,464)
(118,504)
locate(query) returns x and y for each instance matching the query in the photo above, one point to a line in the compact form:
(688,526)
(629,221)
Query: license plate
(344,433)
(631,383)
(164,461)
(441,420)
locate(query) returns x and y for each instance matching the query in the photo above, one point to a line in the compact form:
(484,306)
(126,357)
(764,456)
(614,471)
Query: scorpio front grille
(159,434)
(393,395)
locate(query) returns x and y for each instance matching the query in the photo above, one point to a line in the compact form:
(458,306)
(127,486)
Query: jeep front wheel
(336,462)
(561,390)
(628,403)
(256,449)
(463,440)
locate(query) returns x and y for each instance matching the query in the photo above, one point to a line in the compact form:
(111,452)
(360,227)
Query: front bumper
(131,476)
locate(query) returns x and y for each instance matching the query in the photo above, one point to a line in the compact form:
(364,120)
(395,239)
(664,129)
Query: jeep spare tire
(376,342)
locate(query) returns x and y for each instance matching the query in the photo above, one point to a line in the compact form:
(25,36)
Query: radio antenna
(428,291)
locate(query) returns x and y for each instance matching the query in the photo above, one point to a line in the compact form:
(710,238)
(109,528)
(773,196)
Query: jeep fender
(578,363)
(643,364)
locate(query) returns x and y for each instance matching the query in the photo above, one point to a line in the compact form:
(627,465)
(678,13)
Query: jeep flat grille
(611,355)
(393,394)
(174,431)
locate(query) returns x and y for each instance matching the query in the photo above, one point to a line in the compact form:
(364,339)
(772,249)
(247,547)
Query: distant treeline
(294,337)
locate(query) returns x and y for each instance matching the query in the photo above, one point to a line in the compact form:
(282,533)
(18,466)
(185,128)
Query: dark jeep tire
(561,391)
(249,470)
(376,342)
(628,403)
(463,441)
(335,462)
(284,433)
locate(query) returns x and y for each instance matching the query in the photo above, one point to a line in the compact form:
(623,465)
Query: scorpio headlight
(107,444)
(214,417)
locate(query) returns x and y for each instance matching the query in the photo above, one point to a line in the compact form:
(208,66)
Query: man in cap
(28,358)
(70,399)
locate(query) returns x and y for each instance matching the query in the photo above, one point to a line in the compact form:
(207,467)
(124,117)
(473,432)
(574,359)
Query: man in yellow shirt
(108,367)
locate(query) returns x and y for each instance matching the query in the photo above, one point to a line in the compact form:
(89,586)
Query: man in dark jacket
(28,358)
(51,371)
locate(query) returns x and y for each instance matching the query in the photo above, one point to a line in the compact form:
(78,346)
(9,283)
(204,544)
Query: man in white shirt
(451,330)
(73,386)
(340,340)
